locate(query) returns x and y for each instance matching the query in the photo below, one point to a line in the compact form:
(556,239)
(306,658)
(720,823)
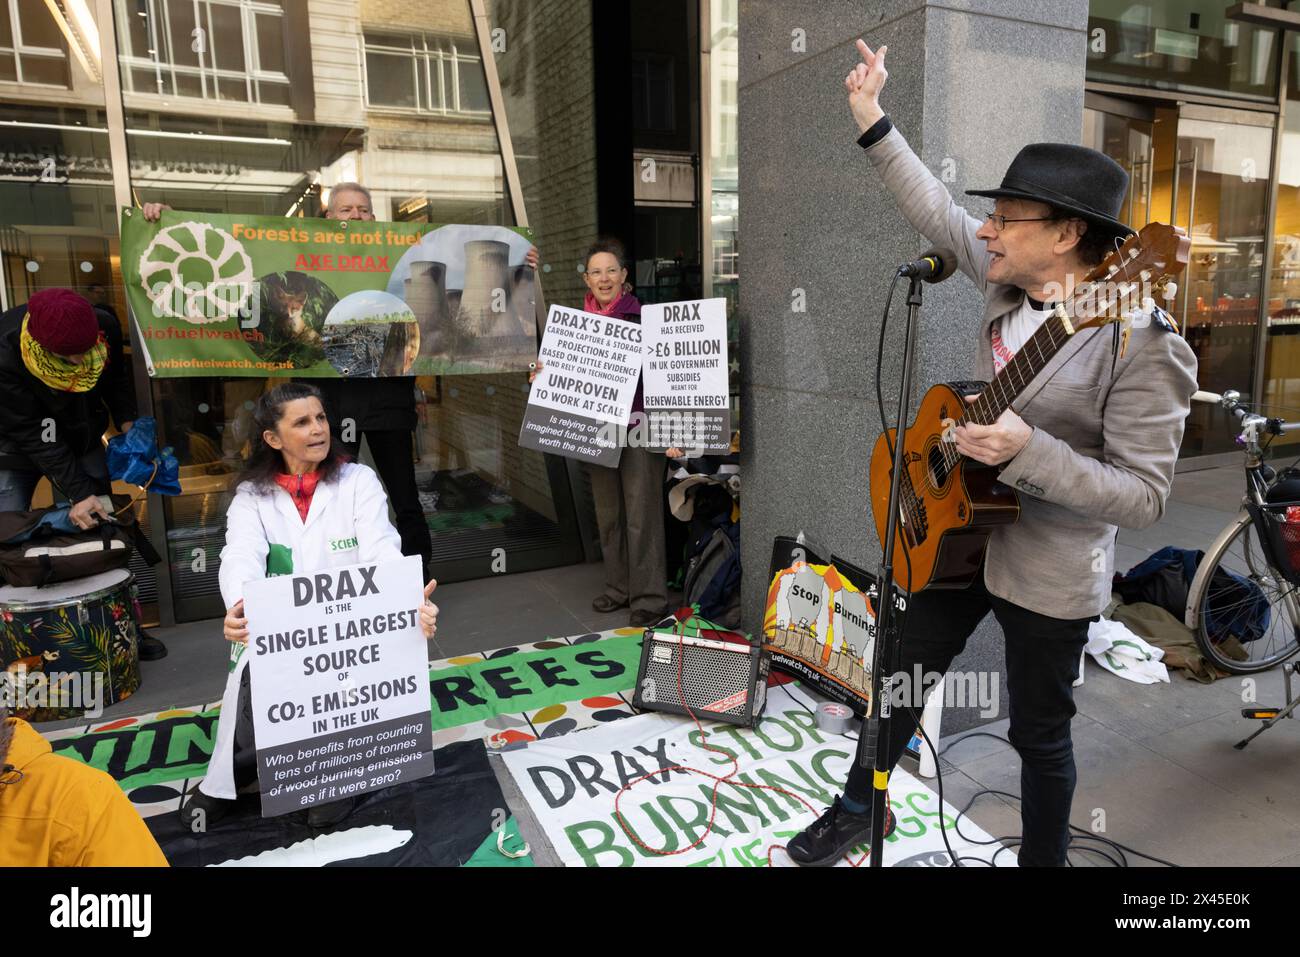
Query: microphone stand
(873,737)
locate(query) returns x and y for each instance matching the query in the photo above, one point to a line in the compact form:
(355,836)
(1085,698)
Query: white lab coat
(346,524)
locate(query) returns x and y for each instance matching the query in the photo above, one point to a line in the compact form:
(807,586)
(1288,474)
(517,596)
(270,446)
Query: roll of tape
(833,717)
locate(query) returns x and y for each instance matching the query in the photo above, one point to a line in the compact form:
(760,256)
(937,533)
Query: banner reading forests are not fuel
(259,295)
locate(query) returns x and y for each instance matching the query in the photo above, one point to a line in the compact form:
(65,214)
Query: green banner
(534,680)
(230,295)
(175,748)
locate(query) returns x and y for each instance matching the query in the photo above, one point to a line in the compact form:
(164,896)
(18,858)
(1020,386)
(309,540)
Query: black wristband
(878,131)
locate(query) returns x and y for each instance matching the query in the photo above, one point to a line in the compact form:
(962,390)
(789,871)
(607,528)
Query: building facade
(505,112)
(1202,108)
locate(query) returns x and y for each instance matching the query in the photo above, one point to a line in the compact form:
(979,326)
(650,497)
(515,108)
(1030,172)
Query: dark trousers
(1042,663)
(245,742)
(630,516)
(391,450)
(17,485)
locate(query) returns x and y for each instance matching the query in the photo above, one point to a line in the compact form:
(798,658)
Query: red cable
(717,782)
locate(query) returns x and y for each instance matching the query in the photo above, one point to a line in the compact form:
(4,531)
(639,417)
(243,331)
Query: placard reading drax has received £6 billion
(686,380)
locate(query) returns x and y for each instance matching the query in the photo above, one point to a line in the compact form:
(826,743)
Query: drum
(69,649)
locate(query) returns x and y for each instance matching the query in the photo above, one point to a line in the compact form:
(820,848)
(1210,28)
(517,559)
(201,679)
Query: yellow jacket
(63,813)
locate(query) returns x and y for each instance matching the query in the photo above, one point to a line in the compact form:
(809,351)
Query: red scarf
(300,488)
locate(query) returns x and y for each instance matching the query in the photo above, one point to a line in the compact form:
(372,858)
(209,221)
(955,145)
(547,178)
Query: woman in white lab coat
(301,507)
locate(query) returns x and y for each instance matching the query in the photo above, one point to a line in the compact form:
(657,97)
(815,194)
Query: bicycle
(1226,614)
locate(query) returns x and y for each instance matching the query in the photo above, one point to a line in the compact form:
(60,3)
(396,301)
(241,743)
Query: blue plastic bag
(1237,605)
(133,457)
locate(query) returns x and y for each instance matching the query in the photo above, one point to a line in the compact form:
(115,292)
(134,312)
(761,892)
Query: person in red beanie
(62,375)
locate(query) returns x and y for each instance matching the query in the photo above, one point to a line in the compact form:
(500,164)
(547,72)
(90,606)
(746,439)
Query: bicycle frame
(1256,491)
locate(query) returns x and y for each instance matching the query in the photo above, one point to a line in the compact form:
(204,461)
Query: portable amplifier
(723,680)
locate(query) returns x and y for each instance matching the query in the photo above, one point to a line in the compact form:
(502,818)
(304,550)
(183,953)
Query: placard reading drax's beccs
(340,682)
(686,386)
(582,397)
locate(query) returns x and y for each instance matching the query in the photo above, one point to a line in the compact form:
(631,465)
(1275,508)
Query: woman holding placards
(629,498)
(301,507)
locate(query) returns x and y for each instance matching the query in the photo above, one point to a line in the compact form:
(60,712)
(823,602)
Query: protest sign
(581,401)
(570,783)
(237,295)
(340,683)
(687,401)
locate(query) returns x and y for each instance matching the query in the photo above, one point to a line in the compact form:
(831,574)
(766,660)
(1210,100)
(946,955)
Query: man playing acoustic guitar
(1091,449)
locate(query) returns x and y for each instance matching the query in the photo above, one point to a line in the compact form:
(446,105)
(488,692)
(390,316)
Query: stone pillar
(970,82)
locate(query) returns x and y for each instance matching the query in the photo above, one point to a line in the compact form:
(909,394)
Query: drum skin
(65,636)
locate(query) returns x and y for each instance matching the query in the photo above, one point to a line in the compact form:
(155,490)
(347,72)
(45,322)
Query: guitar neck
(1016,375)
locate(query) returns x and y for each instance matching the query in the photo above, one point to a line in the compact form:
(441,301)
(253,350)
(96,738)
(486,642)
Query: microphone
(935,265)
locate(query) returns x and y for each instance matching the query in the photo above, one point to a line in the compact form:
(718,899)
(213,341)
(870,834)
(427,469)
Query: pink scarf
(589,304)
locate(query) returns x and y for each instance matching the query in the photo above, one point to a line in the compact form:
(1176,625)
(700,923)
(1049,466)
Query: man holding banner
(381,409)
(301,508)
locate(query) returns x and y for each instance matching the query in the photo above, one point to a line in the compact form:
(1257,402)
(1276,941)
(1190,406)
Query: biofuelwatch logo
(78,910)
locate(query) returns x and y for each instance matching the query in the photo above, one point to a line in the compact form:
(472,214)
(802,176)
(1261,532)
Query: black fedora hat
(1074,179)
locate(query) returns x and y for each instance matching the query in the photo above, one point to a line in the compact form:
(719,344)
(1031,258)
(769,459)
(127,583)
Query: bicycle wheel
(1236,611)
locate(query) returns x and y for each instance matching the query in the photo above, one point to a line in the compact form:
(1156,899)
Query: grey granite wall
(970,82)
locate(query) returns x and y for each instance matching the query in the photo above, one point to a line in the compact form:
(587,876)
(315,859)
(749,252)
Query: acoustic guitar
(948,503)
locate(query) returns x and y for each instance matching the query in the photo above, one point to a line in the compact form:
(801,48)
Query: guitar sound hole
(938,467)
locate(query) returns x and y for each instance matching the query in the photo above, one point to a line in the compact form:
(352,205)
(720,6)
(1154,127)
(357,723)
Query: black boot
(151,649)
(831,836)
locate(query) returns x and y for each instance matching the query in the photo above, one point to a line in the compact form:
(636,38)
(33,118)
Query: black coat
(382,404)
(80,418)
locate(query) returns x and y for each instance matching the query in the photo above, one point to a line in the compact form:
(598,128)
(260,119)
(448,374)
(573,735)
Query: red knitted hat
(62,322)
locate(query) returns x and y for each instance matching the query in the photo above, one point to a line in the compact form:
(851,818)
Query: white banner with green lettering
(570,784)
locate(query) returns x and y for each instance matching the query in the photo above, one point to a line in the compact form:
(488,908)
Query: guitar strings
(1083,297)
(1087,295)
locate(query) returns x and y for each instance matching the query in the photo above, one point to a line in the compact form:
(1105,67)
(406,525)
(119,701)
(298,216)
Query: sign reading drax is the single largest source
(340,683)
(582,398)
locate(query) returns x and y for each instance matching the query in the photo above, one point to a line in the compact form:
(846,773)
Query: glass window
(37,25)
(226,37)
(437,160)
(58,220)
(473,85)
(724,104)
(1282,334)
(424,72)
(189,44)
(1222,202)
(1206,170)
(1188,45)
(653,94)
(52,71)
(270,43)
(390,79)
(32,47)
(216,50)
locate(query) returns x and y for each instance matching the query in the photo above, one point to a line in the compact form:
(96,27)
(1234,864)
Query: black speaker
(721,680)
